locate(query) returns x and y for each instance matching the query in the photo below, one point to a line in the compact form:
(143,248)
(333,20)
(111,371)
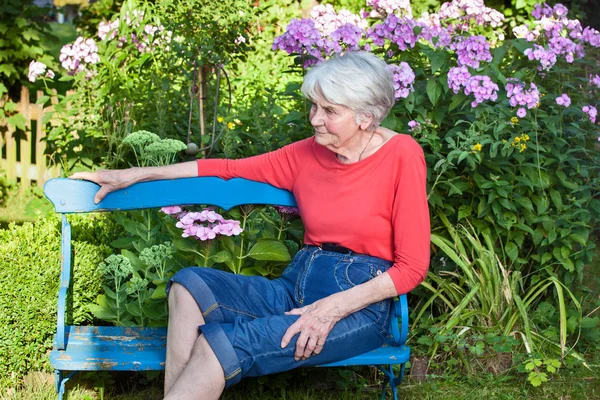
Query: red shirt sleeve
(410,220)
(278,168)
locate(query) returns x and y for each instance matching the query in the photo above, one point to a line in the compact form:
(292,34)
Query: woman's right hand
(109,180)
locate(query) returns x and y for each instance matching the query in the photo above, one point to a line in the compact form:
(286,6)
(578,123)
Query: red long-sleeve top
(376,206)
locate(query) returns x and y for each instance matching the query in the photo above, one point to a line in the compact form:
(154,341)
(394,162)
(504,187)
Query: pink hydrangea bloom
(171,210)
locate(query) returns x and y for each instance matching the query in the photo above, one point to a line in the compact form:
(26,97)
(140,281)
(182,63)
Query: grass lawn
(569,385)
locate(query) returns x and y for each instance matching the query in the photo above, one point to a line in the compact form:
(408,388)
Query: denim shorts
(245,319)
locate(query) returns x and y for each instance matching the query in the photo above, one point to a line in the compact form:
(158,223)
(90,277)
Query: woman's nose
(316,118)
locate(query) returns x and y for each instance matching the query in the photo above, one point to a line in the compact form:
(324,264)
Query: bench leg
(392,379)
(60,381)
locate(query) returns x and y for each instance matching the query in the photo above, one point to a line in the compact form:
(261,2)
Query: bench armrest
(399,323)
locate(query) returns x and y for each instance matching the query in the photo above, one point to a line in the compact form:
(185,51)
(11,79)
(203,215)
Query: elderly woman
(361,193)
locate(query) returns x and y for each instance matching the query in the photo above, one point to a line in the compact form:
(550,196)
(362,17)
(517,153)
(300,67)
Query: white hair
(358,80)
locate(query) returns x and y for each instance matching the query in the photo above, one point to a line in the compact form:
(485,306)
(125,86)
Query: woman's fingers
(101,194)
(310,347)
(301,345)
(88,176)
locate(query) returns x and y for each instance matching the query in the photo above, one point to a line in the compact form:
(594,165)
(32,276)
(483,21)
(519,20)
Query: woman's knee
(179,296)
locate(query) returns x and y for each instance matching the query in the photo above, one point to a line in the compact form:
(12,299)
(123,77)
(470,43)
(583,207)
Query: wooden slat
(11,155)
(26,142)
(40,146)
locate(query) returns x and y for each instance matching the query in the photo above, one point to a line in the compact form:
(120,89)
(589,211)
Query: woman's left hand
(315,322)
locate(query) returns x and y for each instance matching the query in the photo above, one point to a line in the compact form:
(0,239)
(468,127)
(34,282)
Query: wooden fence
(31,147)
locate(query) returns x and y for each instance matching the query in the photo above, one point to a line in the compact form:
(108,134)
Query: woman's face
(334,124)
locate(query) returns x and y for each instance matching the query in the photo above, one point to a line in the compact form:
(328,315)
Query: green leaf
(160,292)
(589,323)
(464,211)
(269,250)
(512,251)
(42,100)
(17,121)
(102,313)
(222,256)
(123,243)
(434,90)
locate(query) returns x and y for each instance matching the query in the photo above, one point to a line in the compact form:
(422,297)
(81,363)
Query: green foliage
(152,84)
(30,261)
(22,31)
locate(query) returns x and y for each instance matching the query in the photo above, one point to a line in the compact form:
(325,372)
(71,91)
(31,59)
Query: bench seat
(116,348)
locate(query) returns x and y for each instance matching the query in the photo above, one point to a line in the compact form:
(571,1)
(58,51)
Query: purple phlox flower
(546,58)
(563,100)
(523,32)
(471,50)
(404,78)
(518,95)
(288,210)
(108,30)
(383,8)
(521,112)
(78,56)
(327,20)
(170,210)
(302,37)
(414,125)
(348,35)
(591,36)
(595,80)
(36,69)
(465,11)
(457,78)
(591,111)
(542,10)
(482,87)
(400,31)
(560,11)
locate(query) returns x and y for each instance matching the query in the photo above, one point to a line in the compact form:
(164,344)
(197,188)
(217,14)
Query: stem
(240,259)
(141,310)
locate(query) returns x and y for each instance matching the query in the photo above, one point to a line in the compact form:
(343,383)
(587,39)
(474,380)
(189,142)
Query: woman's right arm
(111,180)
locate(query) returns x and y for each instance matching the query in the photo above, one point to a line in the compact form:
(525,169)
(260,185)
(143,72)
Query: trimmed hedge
(29,279)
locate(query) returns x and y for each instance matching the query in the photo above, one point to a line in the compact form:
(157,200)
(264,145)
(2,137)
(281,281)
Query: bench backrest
(74,196)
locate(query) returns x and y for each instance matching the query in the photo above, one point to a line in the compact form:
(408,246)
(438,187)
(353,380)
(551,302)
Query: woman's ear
(366,120)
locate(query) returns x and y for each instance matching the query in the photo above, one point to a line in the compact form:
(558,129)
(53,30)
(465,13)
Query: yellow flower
(237,121)
(523,147)
(477,147)
(220,119)
(517,139)
(538,104)
(230,125)
(514,120)
(525,137)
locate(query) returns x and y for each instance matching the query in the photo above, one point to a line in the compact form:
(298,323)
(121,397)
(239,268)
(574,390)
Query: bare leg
(184,319)
(202,377)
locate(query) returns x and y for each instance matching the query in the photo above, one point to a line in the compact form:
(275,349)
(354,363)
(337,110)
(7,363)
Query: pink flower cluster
(152,35)
(471,50)
(563,100)
(523,32)
(37,69)
(591,112)
(328,20)
(457,78)
(382,8)
(204,225)
(78,56)
(595,80)
(519,96)
(471,10)
(483,88)
(414,126)
(347,36)
(404,78)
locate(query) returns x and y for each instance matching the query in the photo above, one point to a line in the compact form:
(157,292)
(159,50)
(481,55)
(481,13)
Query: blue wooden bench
(93,348)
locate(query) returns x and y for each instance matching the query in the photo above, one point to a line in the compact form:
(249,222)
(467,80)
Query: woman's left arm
(317,319)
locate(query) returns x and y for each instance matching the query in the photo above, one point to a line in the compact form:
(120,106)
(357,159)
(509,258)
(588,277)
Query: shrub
(30,265)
